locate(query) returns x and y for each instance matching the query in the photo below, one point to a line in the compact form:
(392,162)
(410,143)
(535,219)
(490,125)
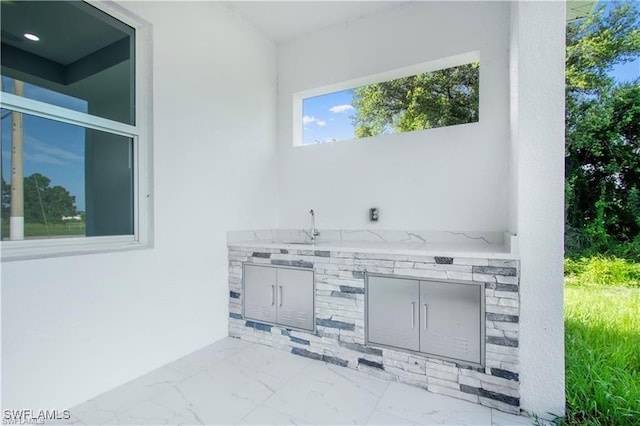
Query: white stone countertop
(466,247)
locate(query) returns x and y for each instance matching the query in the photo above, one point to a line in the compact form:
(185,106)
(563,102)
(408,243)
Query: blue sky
(623,72)
(626,72)
(326,117)
(53,149)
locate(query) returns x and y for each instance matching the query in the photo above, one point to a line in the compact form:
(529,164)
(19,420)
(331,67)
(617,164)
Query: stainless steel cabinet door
(392,317)
(295,298)
(450,320)
(260,293)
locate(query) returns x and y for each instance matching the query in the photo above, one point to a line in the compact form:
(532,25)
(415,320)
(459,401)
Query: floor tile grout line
(248,345)
(74,420)
(189,376)
(284,385)
(337,369)
(375,407)
(167,408)
(528,421)
(154,395)
(83,421)
(258,405)
(146,399)
(201,371)
(180,416)
(300,373)
(329,365)
(393,414)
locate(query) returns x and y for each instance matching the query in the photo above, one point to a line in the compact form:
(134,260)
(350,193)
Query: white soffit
(577,9)
(281,21)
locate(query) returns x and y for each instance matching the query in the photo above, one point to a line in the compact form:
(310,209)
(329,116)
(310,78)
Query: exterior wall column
(537,113)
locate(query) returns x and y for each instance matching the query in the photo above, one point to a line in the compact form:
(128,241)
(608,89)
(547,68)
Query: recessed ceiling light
(31,37)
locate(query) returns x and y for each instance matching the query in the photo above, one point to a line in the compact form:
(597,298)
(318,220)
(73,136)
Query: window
(436,94)
(75,139)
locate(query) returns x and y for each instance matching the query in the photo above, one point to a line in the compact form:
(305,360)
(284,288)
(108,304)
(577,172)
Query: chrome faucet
(314,231)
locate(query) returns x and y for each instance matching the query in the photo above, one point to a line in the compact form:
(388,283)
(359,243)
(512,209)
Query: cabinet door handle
(281,293)
(425,316)
(273,295)
(413,314)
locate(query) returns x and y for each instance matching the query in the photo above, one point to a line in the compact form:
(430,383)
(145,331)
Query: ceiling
(69,31)
(281,21)
(82,52)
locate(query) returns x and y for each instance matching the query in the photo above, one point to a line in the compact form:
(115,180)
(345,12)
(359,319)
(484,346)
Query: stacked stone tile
(340,319)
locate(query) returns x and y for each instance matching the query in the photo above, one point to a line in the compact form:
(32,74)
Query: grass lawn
(602,351)
(54,229)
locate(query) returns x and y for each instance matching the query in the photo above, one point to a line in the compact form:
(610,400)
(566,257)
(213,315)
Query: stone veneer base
(340,325)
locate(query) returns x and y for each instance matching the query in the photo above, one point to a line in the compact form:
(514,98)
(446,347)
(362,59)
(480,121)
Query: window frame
(429,66)
(140,133)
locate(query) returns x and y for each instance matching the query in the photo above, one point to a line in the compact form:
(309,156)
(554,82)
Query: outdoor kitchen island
(435,310)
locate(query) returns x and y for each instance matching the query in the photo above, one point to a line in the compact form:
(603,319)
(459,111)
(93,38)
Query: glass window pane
(445,97)
(83,60)
(76,181)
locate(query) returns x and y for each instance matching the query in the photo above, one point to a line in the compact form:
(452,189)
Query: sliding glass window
(69,134)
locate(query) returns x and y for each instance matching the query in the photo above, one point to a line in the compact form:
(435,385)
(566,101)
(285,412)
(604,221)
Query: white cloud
(43,159)
(338,109)
(42,152)
(53,150)
(309,119)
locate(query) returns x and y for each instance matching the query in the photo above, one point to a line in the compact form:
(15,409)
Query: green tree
(595,44)
(602,132)
(434,99)
(6,198)
(40,198)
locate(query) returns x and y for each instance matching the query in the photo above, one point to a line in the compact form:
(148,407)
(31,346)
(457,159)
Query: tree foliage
(40,198)
(433,99)
(602,134)
(41,201)
(6,198)
(598,42)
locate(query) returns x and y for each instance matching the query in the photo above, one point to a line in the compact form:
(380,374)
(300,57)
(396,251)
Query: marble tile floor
(235,382)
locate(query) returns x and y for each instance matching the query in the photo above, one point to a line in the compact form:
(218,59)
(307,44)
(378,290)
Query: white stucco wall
(74,327)
(453,178)
(538,108)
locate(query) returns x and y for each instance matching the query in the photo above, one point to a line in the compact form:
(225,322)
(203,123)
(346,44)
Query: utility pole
(16,219)
(1,162)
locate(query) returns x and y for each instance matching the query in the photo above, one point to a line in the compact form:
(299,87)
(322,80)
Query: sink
(304,243)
